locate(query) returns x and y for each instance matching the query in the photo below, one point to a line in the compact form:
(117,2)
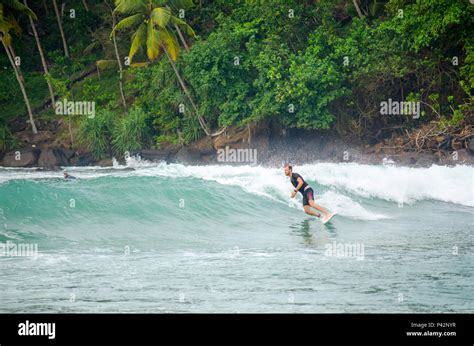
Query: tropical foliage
(169,72)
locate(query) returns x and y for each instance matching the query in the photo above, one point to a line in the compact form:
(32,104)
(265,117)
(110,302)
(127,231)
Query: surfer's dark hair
(288,165)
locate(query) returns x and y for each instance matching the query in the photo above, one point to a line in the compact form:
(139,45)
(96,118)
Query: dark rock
(470,145)
(425,159)
(231,136)
(460,156)
(411,160)
(53,157)
(68,153)
(188,156)
(82,160)
(40,138)
(26,157)
(18,124)
(439,156)
(105,163)
(153,155)
(205,146)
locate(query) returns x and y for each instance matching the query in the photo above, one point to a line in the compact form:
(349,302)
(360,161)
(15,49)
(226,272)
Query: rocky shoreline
(260,146)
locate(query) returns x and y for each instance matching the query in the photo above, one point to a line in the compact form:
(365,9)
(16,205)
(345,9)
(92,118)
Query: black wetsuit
(306,190)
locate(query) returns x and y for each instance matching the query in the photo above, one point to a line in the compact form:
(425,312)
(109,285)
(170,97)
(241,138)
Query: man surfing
(67,176)
(308,194)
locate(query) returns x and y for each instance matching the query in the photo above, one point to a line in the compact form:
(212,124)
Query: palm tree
(8,23)
(178,5)
(356,5)
(60,24)
(84,2)
(43,60)
(155,33)
(117,55)
(108,43)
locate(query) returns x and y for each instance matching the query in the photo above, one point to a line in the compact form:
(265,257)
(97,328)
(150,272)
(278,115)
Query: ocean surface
(149,237)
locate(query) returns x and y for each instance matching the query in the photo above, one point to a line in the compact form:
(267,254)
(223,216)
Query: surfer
(68,176)
(308,194)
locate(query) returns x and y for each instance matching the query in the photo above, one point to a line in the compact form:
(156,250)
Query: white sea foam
(397,184)
(387,182)
(390,183)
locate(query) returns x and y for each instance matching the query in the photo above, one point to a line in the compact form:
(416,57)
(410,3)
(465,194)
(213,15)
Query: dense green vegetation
(185,69)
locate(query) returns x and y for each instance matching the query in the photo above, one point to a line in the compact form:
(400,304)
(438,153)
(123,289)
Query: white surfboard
(329,218)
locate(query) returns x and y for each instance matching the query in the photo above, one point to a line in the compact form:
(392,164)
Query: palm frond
(170,42)
(139,64)
(128,22)
(19,7)
(160,16)
(152,41)
(130,6)
(184,25)
(138,40)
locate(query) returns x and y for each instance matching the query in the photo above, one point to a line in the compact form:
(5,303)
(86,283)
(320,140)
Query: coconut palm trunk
(186,91)
(43,60)
(22,85)
(188,95)
(84,2)
(13,55)
(45,7)
(359,12)
(181,37)
(122,94)
(60,24)
(117,55)
(152,31)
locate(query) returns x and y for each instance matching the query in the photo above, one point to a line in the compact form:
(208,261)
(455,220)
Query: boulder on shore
(188,156)
(82,160)
(54,157)
(153,155)
(470,145)
(27,157)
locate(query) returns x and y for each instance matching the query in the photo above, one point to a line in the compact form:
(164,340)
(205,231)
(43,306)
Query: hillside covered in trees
(106,77)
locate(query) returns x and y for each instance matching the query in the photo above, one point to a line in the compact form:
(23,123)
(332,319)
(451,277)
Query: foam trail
(387,182)
(345,206)
(390,183)
(397,184)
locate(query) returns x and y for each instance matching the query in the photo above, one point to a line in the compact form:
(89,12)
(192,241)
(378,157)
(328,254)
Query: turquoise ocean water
(173,238)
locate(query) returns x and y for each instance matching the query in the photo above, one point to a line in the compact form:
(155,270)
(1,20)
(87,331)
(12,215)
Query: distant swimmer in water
(68,176)
(308,194)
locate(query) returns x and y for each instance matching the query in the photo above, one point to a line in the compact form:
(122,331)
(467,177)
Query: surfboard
(330,217)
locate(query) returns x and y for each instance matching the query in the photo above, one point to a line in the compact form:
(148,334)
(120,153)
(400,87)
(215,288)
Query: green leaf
(152,42)
(183,25)
(139,64)
(170,42)
(130,6)
(160,16)
(128,22)
(18,6)
(138,40)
